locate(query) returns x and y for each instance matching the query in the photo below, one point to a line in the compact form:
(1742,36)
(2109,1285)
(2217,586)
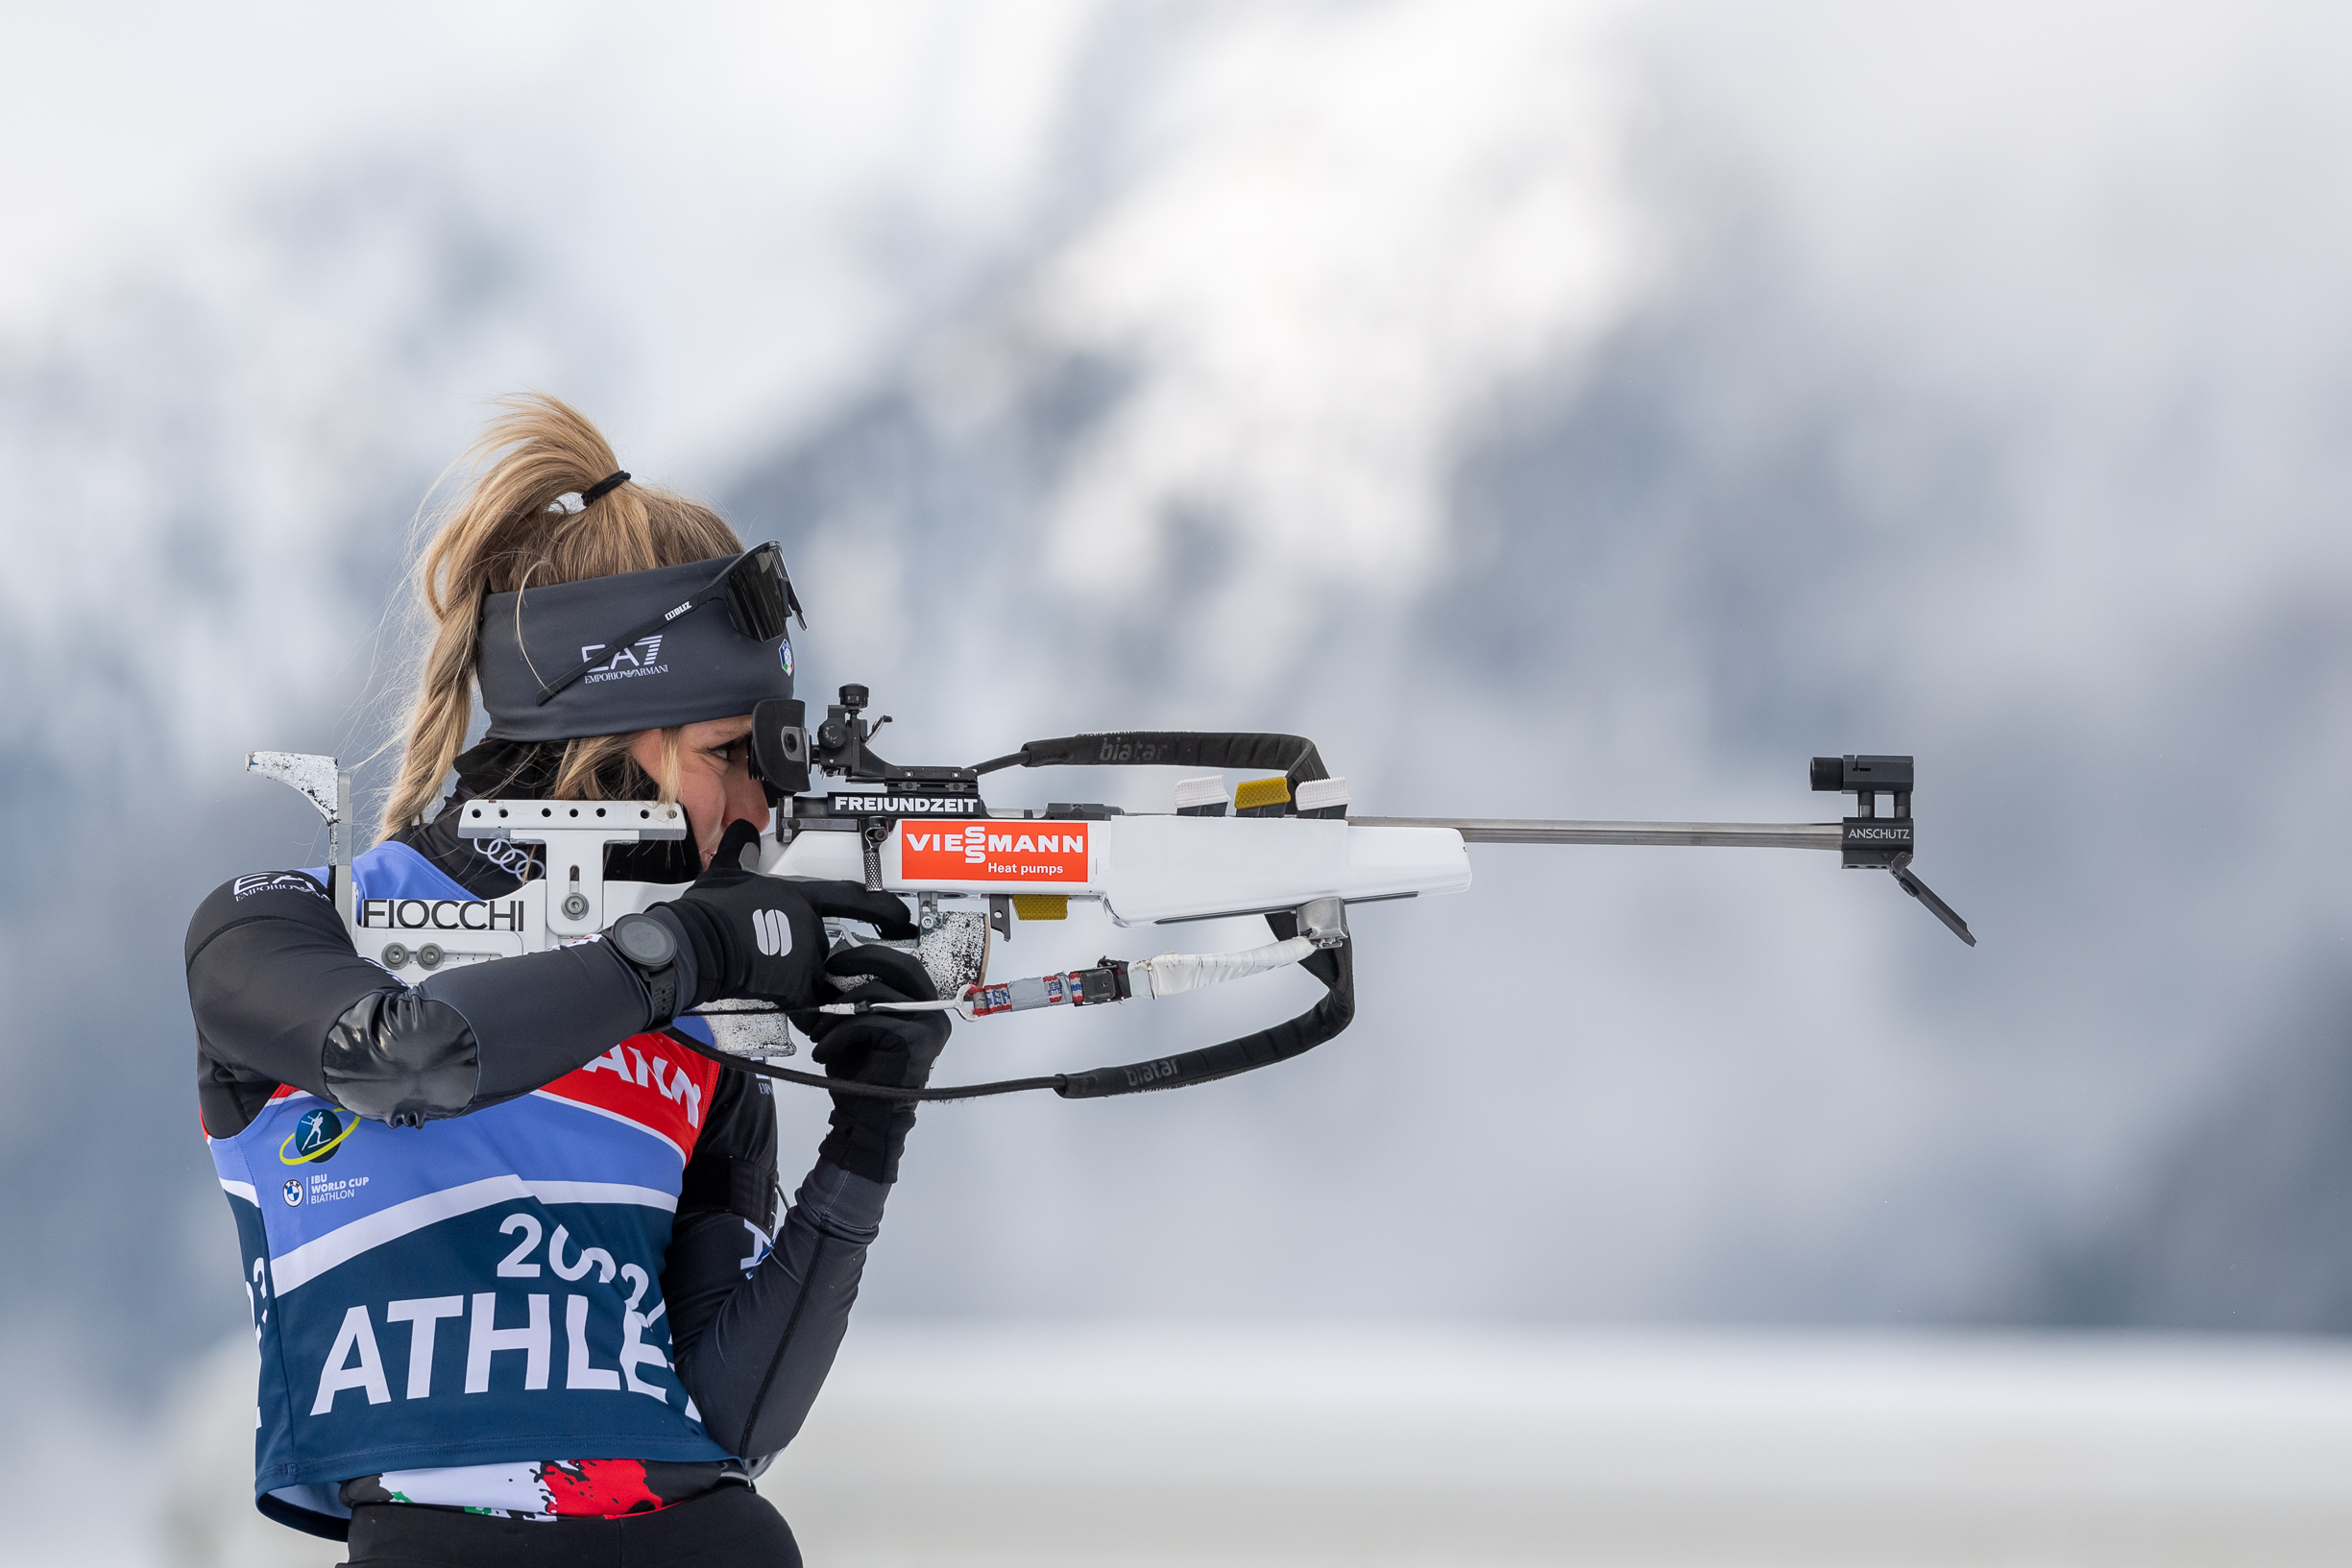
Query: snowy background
(1554,409)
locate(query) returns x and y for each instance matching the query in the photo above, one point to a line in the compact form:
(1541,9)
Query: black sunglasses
(756,588)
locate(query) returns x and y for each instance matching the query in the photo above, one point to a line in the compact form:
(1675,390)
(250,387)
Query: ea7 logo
(282,882)
(635,656)
(773,930)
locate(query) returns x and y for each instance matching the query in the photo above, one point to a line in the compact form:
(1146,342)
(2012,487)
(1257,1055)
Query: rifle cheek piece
(401,1058)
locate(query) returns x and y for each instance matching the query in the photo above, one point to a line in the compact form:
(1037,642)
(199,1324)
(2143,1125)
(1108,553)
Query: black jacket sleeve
(279,996)
(754,1336)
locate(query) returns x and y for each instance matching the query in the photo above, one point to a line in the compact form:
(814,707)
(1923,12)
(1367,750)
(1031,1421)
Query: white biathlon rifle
(1284,848)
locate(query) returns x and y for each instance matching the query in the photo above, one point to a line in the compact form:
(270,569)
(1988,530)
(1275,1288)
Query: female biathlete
(520,1285)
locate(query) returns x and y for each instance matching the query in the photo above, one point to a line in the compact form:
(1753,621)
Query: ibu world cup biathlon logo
(314,1140)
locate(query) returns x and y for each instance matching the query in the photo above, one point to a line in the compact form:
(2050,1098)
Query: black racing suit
(271,973)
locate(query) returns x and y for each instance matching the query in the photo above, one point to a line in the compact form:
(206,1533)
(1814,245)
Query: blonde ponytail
(507,533)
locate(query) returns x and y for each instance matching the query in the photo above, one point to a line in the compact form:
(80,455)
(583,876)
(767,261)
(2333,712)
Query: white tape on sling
(1173,972)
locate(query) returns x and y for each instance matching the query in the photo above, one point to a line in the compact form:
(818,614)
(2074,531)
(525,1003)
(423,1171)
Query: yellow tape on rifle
(1255,792)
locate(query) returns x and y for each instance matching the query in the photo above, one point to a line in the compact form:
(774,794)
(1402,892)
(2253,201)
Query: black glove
(760,936)
(891,1049)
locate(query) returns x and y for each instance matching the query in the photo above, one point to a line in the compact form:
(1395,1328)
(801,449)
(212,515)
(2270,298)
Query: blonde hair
(508,533)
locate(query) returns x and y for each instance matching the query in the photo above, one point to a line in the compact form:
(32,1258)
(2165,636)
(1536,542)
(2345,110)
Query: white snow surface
(1164,1442)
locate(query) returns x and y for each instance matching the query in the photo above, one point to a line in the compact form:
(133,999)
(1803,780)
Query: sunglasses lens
(759,594)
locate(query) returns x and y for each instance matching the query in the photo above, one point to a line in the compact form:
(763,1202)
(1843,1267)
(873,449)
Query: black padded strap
(1290,754)
(1335,967)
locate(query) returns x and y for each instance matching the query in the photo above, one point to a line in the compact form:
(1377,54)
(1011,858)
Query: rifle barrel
(1760,835)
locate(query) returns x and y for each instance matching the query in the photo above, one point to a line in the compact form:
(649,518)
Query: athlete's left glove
(764,937)
(886,1049)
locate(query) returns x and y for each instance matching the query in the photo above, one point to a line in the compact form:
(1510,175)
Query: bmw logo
(294,1192)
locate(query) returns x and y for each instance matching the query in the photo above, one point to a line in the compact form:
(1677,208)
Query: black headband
(697,666)
(610,482)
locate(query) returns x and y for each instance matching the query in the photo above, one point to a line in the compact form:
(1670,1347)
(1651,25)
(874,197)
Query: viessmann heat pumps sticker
(993,852)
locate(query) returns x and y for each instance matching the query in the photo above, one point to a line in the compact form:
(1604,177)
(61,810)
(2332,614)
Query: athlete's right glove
(764,937)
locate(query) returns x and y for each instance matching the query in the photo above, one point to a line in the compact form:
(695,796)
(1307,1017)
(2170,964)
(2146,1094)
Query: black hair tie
(610,482)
